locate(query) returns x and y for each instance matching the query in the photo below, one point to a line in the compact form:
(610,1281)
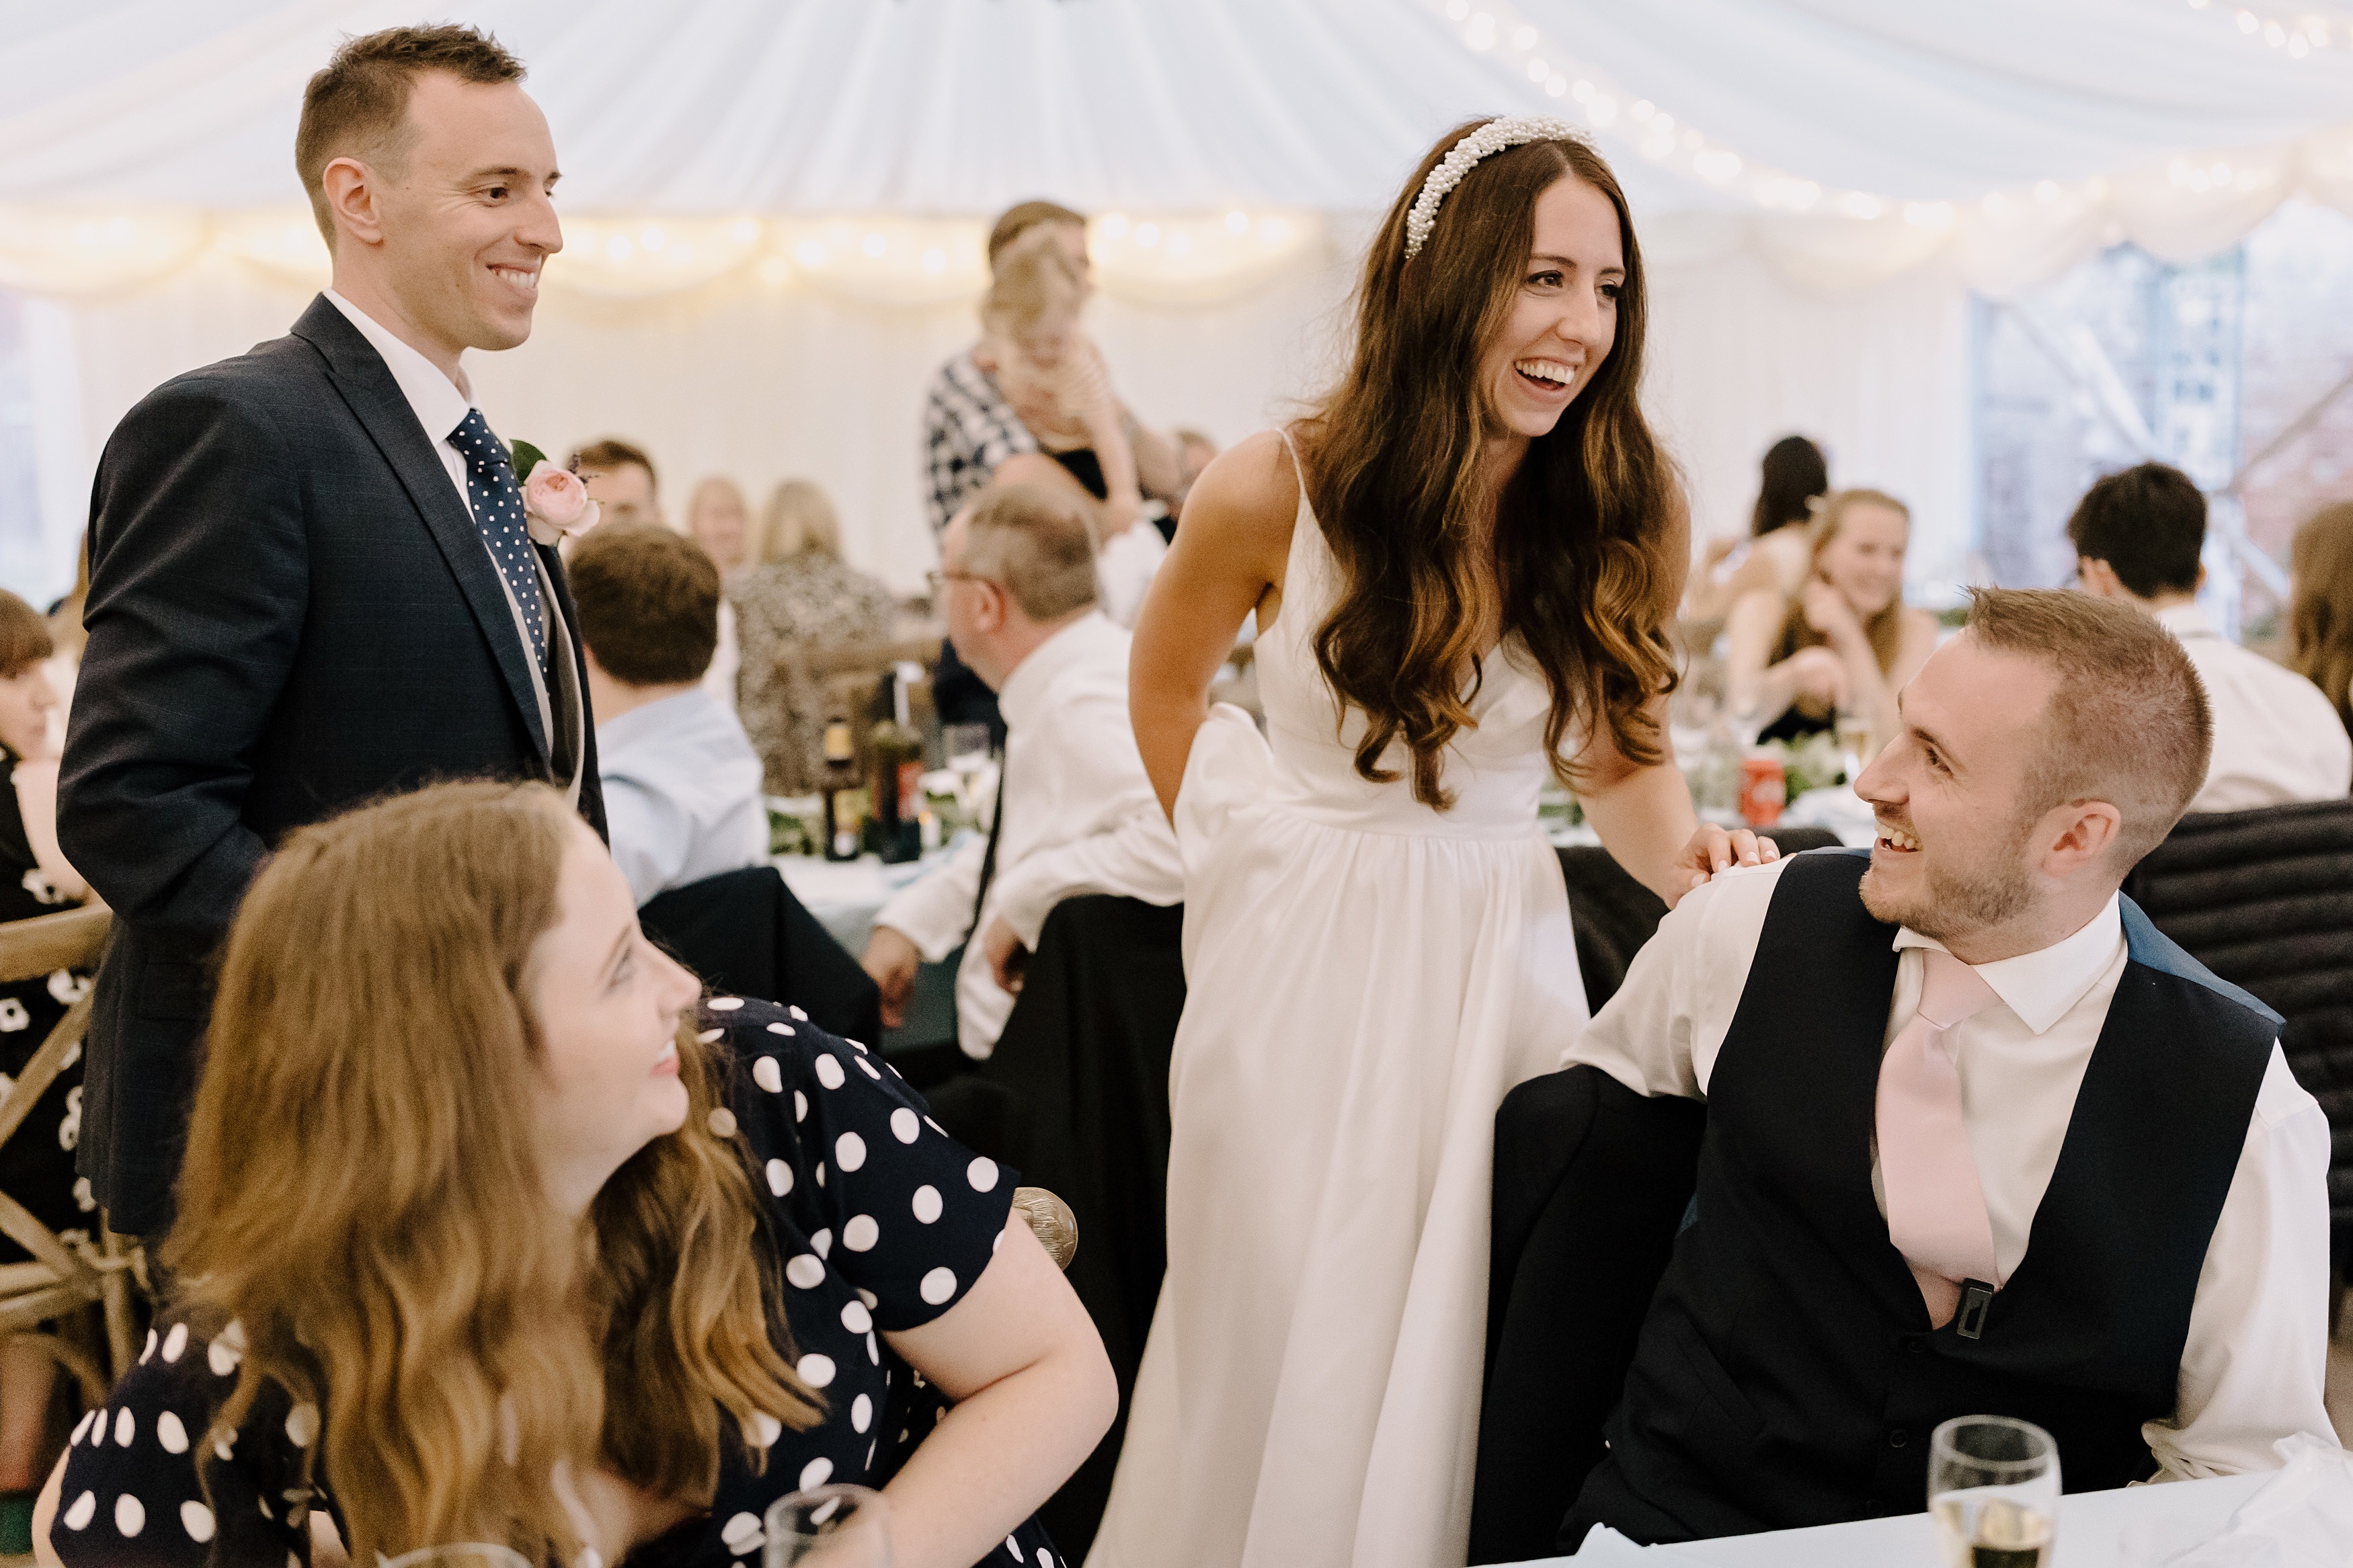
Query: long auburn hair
(361,1208)
(1395,472)
(2320,610)
(1883,626)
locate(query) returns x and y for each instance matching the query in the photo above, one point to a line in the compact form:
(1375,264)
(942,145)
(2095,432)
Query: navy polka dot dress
(882,1222)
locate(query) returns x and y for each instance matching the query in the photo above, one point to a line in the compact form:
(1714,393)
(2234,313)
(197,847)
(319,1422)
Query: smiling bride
(1461,563)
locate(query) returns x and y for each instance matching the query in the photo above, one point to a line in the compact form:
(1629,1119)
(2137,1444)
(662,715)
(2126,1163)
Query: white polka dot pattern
(879,1220)
(497,502)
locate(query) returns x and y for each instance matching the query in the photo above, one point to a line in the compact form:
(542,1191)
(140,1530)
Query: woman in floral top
(800,595)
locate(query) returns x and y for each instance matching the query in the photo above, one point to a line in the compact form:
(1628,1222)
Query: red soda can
(1764,790)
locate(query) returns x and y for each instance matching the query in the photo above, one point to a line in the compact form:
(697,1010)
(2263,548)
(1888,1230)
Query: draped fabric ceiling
(774,207)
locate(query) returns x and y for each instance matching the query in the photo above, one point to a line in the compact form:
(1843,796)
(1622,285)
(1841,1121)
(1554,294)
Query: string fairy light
(1493,27)
(2299,35)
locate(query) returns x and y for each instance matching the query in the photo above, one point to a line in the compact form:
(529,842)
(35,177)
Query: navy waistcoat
(1788,1374)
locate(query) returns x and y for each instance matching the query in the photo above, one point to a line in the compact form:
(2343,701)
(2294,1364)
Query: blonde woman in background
(2320,607)
(1055,379)
(719,520)
(1847,641)
(798,593)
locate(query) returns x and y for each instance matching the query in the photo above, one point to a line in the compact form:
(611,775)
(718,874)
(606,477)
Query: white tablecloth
(2091,1534)
(846,895)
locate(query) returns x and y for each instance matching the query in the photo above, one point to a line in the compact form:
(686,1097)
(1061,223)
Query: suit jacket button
(1898,1438)
(1914,1344)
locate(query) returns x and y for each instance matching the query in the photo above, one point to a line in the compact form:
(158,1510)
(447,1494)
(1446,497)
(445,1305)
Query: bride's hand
(1713,849)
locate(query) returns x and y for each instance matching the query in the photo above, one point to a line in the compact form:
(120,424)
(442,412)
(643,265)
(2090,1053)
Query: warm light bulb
(1238,222)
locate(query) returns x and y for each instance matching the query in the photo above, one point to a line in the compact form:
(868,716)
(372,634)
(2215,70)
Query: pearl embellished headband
(1509,131)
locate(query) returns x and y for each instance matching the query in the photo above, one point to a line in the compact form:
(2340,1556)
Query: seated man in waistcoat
(1979,1140)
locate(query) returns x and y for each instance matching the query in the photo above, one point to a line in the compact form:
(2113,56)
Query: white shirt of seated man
(2035,913)
(1016,587)
(2277,738)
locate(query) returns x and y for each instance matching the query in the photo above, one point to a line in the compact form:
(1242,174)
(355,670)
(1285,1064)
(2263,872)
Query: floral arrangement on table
(554,502)
(1812,762)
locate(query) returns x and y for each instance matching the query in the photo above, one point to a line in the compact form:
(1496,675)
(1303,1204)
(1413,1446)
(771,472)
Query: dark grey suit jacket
(291,612)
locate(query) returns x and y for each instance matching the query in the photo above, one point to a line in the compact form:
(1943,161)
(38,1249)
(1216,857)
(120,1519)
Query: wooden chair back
(61,1275)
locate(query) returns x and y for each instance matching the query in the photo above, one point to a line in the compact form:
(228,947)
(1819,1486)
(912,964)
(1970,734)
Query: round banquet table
(2095,1529)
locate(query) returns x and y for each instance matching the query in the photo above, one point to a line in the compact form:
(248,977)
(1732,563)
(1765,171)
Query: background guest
(682,782)
(971,431)
(1075,813)
(1778,550)
(271,639)
(620,480)
(1055,381)
(798,595)
(37,1162)
(2320,610)
(718,519)
(2138,534)
(515,1241)
(1846,640)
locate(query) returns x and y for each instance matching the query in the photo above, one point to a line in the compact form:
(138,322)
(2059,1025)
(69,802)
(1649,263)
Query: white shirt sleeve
(1079,784)
(936,912)
(1134,854)
(2254,1363)
(650,834)
(1660,1034)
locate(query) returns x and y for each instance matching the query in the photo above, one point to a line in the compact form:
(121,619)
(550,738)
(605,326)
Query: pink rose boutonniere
(554,502)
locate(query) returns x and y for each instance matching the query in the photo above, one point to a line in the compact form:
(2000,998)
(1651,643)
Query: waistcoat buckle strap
(1977,1297)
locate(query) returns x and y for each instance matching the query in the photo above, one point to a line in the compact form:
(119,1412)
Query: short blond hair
(799,520)
(1039,543)
(2127,722)
(1034,279)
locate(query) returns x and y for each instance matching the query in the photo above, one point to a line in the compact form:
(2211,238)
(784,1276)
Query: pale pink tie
(1936,1205)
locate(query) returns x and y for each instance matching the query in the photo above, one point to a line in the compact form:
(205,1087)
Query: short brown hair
(1020,218)
(2127,722)
(358,106)
(24,638)
(1036,542)
(648,603)
(2148,523)
(610,453)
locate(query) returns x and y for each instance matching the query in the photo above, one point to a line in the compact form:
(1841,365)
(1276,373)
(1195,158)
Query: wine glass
(1993,1493)
(837,1526)
(465,1555)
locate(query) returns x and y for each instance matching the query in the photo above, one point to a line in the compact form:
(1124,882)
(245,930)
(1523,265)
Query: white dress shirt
(2276,737)
(441,405)
(2252,1366)
(1080,817)
(681,792)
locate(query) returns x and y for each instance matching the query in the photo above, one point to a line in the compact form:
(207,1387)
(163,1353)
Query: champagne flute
(837,1526)
(1993,1493)
(966,748)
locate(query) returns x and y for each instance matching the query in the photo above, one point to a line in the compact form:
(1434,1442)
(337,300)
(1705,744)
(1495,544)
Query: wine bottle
(898,774)
(839,787)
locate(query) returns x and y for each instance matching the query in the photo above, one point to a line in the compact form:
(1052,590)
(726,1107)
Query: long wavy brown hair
(1395,473)
(362,1203)
(2320,609)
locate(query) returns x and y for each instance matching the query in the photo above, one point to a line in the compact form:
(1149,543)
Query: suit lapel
(375,400)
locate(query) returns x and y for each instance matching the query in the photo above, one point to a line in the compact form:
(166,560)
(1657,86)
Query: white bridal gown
(1366,978)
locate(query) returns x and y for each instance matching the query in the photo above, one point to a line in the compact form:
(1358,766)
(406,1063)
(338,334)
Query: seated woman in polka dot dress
(487,1233)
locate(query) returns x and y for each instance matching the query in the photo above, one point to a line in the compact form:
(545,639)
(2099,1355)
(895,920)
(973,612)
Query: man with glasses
(1075,813)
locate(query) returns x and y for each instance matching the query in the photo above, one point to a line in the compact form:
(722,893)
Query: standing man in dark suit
(311,584)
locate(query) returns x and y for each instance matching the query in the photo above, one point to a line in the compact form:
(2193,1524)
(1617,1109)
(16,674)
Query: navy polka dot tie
(498,512)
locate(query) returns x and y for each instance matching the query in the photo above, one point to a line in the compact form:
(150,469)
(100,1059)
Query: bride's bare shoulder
(1246,499)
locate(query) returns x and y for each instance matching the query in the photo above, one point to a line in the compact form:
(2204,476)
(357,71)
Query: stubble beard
(1958,901)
